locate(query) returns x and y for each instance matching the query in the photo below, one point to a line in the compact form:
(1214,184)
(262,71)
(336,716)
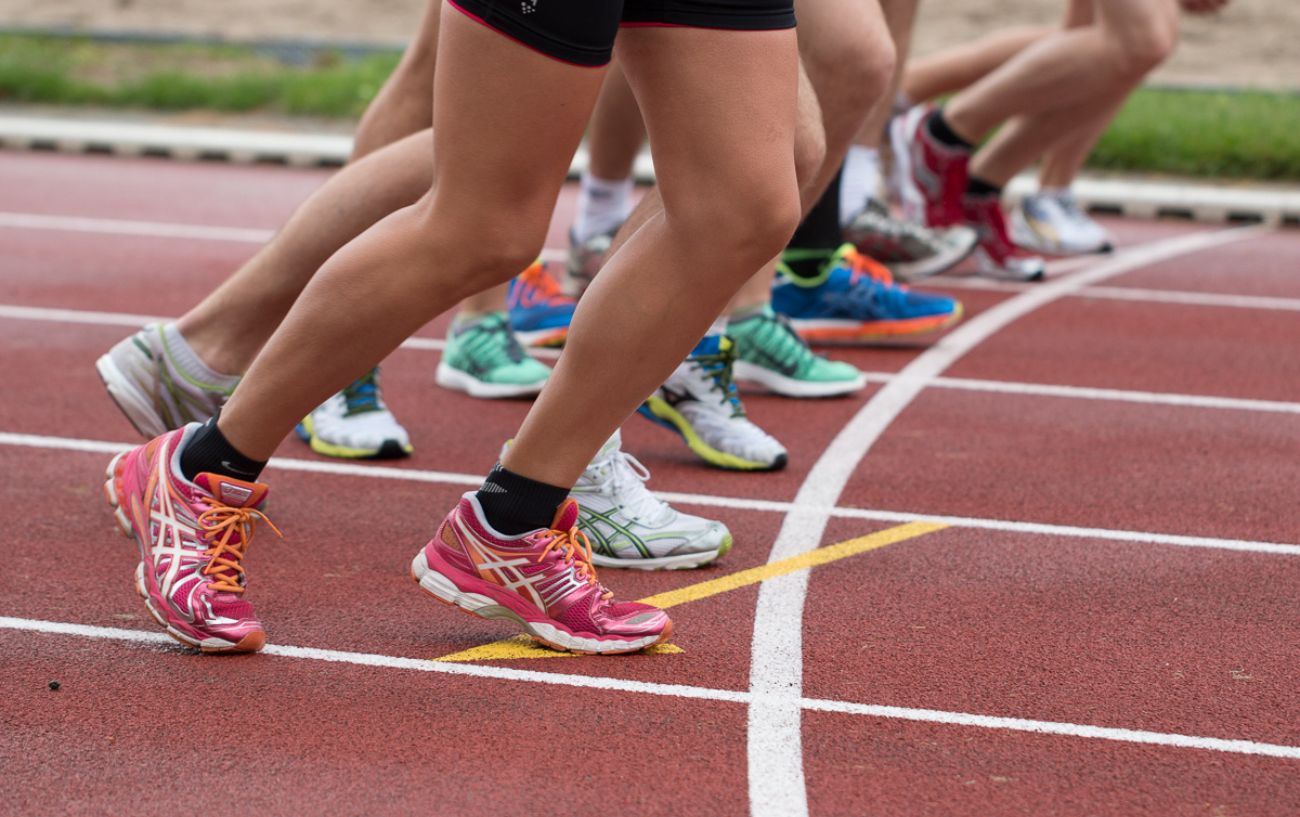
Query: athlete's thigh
(719,105)
(513,92)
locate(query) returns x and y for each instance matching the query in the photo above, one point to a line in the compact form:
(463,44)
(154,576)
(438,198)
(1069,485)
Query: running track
(1069,585)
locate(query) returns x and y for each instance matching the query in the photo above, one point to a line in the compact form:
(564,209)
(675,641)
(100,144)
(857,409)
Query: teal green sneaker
(483,359)
(769,352)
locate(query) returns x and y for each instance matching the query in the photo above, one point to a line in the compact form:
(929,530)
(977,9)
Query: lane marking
(347,469)
(254,235)
(777,787)
(957,383)
(524,647)
(687,692)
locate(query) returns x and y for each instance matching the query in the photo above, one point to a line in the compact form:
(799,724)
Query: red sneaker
(996,254)
(932,174)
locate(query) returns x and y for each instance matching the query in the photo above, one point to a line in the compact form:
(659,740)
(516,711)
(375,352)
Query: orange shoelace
(861,264)
(221,522)
(546,286)
(576,548)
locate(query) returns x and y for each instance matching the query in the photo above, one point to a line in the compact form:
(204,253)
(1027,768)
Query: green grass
(1221,134)
(1216,134)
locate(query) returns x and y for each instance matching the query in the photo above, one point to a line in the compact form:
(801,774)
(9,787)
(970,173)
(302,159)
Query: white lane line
(686,692)
(252,235)
(1212,299)
(78,316)
(776,777)
(90,317)
(150,229)
(367,471)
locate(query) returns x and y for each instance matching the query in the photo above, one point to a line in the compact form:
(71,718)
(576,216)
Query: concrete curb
(1200,201)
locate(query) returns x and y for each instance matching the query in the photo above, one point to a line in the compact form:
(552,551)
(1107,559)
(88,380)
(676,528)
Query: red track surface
(1077,628)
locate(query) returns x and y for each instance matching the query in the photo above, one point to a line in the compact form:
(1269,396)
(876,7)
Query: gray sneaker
(151,390)
(910,250)
(585,260)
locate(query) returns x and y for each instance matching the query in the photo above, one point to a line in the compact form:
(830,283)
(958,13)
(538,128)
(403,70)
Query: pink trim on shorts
(471,15)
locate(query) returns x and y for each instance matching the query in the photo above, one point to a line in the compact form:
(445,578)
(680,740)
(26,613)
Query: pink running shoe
(543,581)
(932,175)
(996,255)
(192,538)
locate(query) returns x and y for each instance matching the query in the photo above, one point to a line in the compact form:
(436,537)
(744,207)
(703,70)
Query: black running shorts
(582,31)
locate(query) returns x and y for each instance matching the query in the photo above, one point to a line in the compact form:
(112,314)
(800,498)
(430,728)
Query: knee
(850,79)
(743,226)
(488,247)
(1141,48)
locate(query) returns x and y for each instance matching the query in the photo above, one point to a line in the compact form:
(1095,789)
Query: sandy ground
(1252,43)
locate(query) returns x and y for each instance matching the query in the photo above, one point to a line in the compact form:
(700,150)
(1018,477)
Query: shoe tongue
(614,443)
(566,518)
(233,492)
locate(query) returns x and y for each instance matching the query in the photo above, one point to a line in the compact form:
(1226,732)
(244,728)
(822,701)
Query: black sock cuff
(515,504)
(208,450)
(978,187)
(939,128)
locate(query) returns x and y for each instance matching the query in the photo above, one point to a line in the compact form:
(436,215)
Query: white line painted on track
(685,692)
(254,235)
(1182,298)
(149,229)
(90,317)
(370,471)
(775,747)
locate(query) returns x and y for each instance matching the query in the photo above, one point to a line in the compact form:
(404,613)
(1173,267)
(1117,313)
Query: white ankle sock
(859,181)
(603,205)
(188,363)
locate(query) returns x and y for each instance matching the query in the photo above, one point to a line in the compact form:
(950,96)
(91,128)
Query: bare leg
(953,69)
(1070,69)
(1119,25)
(474,229)
(616,132)
(709,139)
(229,326)
(404,105)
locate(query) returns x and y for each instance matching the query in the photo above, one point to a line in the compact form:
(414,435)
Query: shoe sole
(988,269)
(454,379)
(388,450)
(131,401)
(941,262)
(786,386)
(543,338)
(250,643)
(840,331)
(685,561)
(660,413)
(445,591)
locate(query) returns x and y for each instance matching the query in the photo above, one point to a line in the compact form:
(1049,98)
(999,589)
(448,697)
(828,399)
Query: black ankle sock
(818,236)
(979,187)
(514,504)
(943,132)
(209,450)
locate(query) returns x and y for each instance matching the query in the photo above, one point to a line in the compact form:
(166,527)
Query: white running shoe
(630,527)
(144,377)
(699,402)
(1054,223)
(356,424)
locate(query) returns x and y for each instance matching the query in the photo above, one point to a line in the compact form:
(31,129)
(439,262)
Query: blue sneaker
(855,298)
(540,312)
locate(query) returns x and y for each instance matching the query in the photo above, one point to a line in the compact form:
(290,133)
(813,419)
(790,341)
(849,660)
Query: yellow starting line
(524,647)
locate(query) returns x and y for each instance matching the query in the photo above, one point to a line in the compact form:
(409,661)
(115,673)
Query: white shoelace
(624,476)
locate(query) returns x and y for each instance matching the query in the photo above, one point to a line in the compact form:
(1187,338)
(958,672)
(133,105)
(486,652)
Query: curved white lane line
(776,777)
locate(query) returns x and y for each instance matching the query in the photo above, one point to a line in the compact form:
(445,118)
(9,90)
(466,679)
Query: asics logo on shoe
(234,494)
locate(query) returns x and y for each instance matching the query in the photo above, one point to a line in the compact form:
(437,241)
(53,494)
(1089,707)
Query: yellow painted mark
(523,647)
